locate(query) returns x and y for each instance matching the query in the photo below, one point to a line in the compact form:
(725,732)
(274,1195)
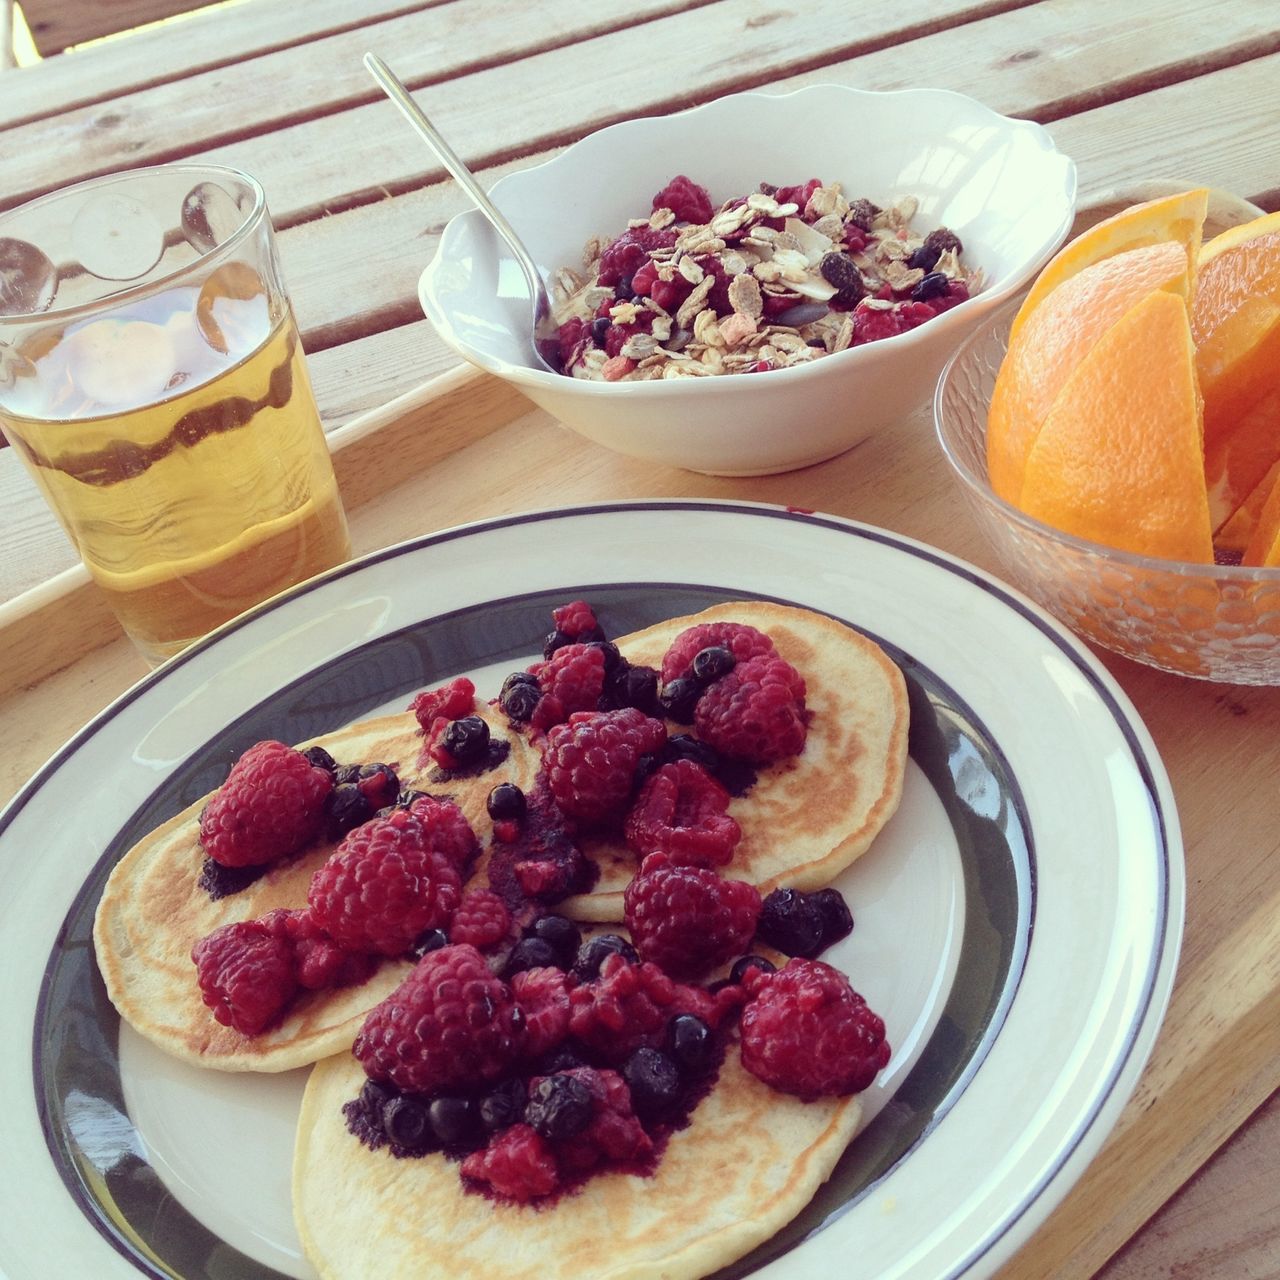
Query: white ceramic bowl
(1000,184)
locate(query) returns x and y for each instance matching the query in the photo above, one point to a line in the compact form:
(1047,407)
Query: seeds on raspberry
(481,919)
(449,701)
(756,712)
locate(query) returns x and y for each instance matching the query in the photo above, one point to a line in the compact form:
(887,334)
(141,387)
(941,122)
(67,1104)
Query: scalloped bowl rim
(961,316)
(982,487)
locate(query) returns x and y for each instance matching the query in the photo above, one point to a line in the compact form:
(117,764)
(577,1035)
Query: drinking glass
(152,380)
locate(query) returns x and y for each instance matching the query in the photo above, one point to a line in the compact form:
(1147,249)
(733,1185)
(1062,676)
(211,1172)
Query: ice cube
(231,311)
(116,237)
(28,280)
(210,216)
(120,364)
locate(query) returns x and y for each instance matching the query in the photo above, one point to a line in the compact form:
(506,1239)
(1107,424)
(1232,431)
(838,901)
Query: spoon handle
(462,175)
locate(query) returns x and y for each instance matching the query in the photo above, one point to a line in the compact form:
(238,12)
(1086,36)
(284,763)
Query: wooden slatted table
(1184,92)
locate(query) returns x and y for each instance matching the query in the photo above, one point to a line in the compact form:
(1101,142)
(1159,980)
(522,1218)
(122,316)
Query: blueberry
(555,640)
(934,285)
(453,1120)
(599,327)
(925,258)
(466,740)
(744,965)
(684,746)
(654,1081)
(638,687)
(791,922)
(519,697)
(837,919)
(373,1098)
(690,1044)
(530,953)
(346,773)
(561,1058)
(712,662)
(345,807)
(623,290)
(678,699)
(503,1106)
(425,943)
(559,1106)
(319,757)
(405,1122)
(613,660)
(593,953)
(506,800)
(561,934)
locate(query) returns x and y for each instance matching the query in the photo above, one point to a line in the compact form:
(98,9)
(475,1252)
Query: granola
(780,277)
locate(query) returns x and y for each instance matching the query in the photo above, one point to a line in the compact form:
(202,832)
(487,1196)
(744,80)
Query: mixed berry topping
(531,1051)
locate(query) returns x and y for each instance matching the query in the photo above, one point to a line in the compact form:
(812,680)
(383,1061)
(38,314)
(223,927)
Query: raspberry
(384,885)
(688,919)
(683,811)
(246,975)
(755,713)
(516,1165)
(612,1133)
(741,640)
(686,199)
(629,1005)
(914,314)
(449,1024)
(571,337)
(798,195)
(590,762)
(572,679)
(318,961)
(806,1031)
(448,831)
(871,324)
(576,620)
(718,298)
(630,250)
(451,701)
(271,805)
(543,998)
(481,919)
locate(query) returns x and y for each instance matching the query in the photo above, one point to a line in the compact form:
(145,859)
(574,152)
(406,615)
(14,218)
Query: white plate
(1017,923)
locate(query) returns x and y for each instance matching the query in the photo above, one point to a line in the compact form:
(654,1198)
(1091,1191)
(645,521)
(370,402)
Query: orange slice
(1118,460)
(1236,532)
(1178,217)
(1235,320)
(1264,545)
(1057,337)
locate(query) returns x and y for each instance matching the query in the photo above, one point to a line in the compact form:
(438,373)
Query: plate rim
(1140,1035)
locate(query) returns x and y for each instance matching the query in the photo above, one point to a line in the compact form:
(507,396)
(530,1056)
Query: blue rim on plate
(963,758)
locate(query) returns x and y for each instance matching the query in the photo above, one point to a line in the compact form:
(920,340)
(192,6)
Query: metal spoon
(398,94)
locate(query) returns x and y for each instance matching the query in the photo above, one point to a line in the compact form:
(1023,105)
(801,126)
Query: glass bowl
(1213,622)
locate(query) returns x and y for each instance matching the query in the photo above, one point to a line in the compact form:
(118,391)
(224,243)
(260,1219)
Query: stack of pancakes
(751,1157)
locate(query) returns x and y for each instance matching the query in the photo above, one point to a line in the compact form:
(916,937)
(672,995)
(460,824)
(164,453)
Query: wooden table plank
(57,24)
(209,109)
(359,155)
(200,43)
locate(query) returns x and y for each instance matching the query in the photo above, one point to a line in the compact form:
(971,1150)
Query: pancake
(806,818)
(748,1162)
(153,911)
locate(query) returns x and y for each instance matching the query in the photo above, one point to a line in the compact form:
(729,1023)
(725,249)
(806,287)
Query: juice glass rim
(250,221)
